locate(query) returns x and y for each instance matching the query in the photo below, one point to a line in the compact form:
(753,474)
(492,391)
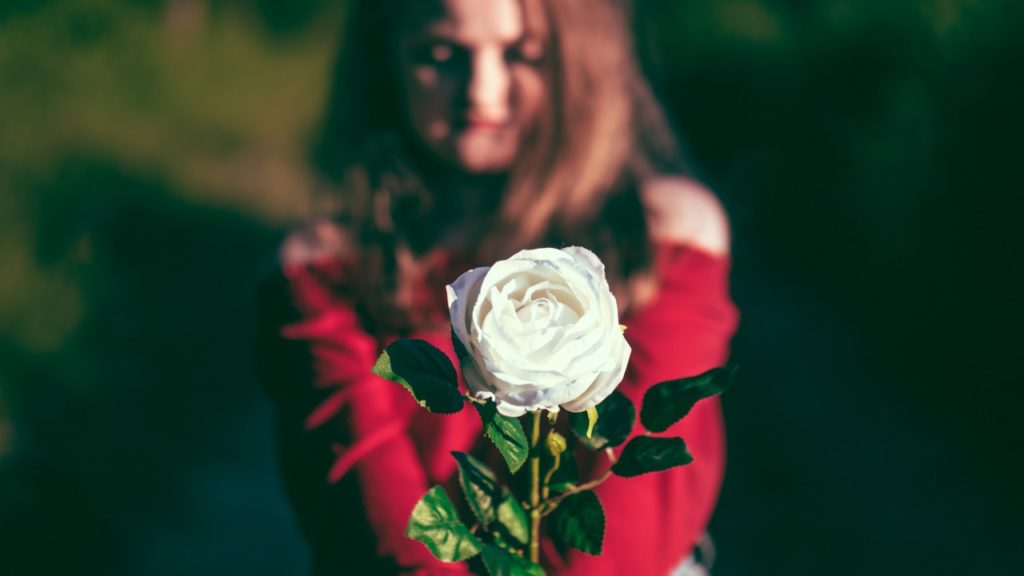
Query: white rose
(541,330)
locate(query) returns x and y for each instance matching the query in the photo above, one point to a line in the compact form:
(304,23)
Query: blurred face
(473,80)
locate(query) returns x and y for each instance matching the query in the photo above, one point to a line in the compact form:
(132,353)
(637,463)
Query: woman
(458,132)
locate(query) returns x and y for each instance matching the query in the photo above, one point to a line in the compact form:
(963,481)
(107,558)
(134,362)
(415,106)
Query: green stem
(551,503)
(546,491)
(535,490)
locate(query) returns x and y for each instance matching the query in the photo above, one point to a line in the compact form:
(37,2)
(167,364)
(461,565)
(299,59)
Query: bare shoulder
(684,211)
(316,240)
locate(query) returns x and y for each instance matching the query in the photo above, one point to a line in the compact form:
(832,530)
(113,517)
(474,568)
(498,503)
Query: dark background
(152,152)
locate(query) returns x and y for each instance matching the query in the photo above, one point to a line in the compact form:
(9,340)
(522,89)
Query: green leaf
(666,403)
(436,524)
(513,526)
(644,454)
(506,433)
(615,421)
(493,505)
(579,522)
(502,563)
(458,346)
(479,486)
(424,371)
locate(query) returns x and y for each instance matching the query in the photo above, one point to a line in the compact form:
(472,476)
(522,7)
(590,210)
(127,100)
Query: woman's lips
(484,123)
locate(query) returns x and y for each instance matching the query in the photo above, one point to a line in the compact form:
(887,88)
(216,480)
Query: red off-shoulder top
(357,452)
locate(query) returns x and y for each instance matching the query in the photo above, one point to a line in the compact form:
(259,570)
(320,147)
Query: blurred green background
(152,153)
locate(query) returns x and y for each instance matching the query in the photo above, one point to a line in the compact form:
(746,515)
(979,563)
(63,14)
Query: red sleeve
(653,521)
(352,469)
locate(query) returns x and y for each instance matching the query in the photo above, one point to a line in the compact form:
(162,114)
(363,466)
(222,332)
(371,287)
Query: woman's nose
(489,84)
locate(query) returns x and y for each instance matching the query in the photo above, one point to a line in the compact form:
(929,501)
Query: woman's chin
(484,153)
(483,164)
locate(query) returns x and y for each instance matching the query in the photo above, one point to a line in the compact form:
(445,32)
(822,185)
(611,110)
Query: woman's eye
(527,52)
(440,53)
(435,53)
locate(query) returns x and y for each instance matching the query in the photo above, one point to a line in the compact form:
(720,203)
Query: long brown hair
(575,181)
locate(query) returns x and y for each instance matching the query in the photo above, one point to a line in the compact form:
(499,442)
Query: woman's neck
(471,200)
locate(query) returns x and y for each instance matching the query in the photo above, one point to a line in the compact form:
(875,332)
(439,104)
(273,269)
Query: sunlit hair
(575,180)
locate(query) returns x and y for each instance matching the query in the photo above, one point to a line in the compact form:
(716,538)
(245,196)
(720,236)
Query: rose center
(536,313)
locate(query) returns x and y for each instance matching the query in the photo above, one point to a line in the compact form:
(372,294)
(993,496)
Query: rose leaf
(506,433)
(666,403)
(645,454)
(579,522)
(436,524)
(615,420)
(513,527)
(458,346)
(479,486)
(424,371)
(502,563)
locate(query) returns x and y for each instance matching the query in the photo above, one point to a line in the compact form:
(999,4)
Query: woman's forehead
(475,21)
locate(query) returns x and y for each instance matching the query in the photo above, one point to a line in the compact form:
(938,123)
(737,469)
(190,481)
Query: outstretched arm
(349,461)
(654,520)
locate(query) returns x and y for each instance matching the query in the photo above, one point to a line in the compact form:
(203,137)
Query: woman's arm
(653,521)
(682,211)
(349,461)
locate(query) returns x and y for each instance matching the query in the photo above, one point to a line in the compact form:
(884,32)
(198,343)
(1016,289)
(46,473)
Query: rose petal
(462,295)
(542,331)
(583,256)
(507,409)
(543,255)
(603,386)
